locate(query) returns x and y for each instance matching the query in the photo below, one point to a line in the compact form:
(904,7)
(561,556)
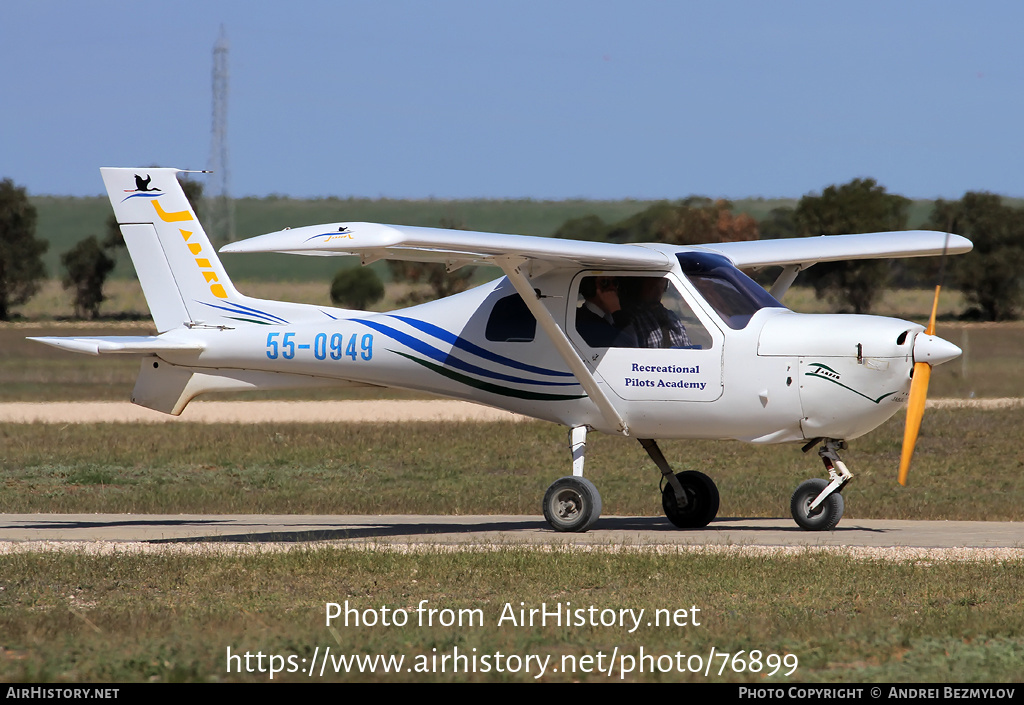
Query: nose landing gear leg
(817,505)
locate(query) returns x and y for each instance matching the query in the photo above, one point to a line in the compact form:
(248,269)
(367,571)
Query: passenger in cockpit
(653,325)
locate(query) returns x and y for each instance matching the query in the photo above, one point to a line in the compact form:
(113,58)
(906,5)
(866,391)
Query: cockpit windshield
(734,296)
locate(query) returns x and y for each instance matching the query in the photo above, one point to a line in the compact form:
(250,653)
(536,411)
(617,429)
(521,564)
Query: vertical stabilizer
(181,275)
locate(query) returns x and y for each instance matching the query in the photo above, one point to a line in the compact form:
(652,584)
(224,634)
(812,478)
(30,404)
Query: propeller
(929,350)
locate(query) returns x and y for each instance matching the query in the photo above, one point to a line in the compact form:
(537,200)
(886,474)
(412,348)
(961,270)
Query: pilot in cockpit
(600,321)
(653,325)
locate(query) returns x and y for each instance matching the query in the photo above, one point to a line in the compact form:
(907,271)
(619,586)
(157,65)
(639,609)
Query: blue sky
(546,100)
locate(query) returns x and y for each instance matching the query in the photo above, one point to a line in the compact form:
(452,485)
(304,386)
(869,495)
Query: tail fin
(185,286)
(182,278)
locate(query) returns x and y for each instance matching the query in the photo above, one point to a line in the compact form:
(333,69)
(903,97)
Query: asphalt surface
(53,530)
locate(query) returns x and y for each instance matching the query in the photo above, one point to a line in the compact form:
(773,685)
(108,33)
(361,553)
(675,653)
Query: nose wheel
(825,516)
(816,504)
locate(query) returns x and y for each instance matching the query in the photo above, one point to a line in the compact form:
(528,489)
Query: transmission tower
(220,206)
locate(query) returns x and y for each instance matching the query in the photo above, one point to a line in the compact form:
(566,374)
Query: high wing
(831,248)
(372,241)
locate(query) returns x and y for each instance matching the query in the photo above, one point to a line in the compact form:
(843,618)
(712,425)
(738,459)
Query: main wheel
(572,504)
(828,513)
(701,505)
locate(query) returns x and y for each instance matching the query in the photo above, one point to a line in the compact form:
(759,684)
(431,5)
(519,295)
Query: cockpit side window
(637,312)
(734,296)
(511,321)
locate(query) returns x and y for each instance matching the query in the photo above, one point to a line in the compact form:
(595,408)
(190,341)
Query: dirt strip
(1000,403)
(376,411)
(920,556)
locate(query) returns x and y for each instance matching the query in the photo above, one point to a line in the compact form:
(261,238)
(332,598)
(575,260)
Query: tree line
(991,277)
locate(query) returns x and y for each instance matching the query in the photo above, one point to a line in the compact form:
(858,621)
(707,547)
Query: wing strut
(512,268)
(785,280)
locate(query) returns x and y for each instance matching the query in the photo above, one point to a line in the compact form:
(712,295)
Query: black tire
(702,501)
(572,504)
(828,513)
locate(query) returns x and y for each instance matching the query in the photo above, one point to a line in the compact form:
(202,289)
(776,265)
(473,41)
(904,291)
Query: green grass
(172,617)
(967,467)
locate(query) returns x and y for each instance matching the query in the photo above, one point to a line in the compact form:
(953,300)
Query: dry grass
(124,299)
(910,304)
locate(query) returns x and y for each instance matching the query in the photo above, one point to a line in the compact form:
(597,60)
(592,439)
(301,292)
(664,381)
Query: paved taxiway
(52,530)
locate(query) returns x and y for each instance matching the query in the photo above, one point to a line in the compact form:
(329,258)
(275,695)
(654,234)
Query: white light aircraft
(645,340)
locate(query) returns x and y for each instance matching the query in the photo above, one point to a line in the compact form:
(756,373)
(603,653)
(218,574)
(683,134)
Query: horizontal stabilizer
(168,388)
(127,344)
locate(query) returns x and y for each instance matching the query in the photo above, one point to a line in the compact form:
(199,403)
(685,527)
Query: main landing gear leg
(817,505)
(690,499)
(573,503)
